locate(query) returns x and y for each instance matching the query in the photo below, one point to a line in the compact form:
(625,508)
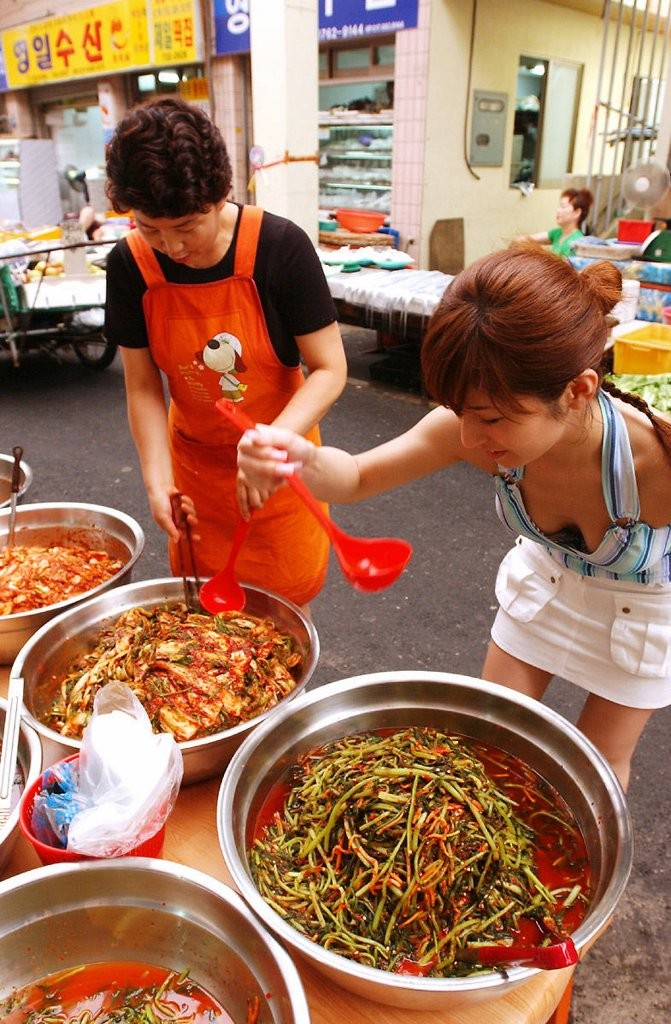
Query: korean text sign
(338,19)
(112,37)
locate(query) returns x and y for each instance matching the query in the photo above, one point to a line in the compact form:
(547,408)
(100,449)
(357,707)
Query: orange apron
(211,341)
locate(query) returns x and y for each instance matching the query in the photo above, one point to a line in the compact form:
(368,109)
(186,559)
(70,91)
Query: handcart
(54,314)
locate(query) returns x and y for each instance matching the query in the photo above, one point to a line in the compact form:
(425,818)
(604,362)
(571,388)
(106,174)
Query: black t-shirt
(288,274)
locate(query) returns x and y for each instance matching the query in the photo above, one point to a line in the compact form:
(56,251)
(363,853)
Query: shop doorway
(77,133)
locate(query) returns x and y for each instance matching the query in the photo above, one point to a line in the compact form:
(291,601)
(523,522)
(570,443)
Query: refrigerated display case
(355,161)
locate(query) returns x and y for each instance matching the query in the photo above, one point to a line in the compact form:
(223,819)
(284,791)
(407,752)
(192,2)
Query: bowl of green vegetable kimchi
(138,940)
(391,828)
(206,679)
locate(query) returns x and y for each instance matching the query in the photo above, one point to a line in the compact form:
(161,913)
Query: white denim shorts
(610,637)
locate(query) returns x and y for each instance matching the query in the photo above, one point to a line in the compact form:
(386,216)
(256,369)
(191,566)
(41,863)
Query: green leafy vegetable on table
(655,388)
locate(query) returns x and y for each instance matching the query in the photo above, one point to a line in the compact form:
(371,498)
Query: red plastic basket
(634,230)
(58,855)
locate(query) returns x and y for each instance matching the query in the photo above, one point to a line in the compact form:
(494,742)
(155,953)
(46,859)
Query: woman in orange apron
(219,301)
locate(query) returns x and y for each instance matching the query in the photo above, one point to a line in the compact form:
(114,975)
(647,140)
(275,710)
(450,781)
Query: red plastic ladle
(222,592)
(368,563)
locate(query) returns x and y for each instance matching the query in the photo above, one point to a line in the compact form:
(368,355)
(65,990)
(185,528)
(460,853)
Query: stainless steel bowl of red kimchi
(387,826)
(63,553)
(139,939)
(209,680)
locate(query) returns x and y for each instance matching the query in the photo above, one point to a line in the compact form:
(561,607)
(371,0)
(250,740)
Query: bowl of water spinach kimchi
(207,679)
(425,839)
(138,940)
(57,555)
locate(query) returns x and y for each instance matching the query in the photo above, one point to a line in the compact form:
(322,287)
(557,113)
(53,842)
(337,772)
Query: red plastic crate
(634,230)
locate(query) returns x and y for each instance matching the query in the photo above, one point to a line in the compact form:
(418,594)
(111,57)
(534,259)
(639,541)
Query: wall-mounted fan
(77,180)
(644,185)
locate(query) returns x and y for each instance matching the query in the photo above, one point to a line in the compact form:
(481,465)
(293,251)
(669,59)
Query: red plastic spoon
(368,563)
(222,592)
(548,958)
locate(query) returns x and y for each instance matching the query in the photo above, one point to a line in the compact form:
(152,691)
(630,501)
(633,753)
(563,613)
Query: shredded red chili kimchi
(35,577)
(194,674)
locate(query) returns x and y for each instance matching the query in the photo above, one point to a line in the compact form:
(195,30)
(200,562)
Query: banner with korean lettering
(338,19)
(174,32)
(111,37)
(352,19)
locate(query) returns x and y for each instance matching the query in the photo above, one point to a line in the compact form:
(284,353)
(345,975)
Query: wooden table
(191,839)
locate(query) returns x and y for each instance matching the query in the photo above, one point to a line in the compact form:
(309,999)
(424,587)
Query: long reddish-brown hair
(522,322)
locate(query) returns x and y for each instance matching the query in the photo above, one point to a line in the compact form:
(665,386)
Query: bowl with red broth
(28,768)
(418,817)
(142,934)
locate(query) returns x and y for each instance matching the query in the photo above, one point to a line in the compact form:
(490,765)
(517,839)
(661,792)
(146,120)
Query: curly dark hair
(167,159)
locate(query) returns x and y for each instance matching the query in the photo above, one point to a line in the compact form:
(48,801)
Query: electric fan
(76,179)
(643,185)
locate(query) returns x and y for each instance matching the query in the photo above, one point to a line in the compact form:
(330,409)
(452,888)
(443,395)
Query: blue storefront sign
(338,19)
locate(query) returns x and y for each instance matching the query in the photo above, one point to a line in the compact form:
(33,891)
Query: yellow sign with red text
(101,40)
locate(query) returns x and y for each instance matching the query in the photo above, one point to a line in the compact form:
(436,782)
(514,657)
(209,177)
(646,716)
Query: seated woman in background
(574,205)
(93,227)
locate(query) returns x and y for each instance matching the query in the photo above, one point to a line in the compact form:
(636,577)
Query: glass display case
(355,160)
(29,187)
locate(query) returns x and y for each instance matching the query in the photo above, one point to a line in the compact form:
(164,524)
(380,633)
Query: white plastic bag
(129,777)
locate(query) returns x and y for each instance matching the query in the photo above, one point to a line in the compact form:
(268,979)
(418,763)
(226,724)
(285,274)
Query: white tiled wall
(410,101)
(228,85)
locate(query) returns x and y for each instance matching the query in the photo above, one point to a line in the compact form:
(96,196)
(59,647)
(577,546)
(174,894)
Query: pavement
(71,422)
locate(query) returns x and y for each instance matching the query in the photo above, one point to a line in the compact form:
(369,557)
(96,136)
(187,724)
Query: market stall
(397,304)
(654,278)
(191,839)
(52,298)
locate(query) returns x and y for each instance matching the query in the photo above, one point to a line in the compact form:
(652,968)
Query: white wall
(493,212)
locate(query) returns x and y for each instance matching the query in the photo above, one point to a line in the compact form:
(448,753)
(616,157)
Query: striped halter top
(635,551)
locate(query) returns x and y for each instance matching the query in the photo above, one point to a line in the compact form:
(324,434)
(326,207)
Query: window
(368,60)
(546,106)
(358,77)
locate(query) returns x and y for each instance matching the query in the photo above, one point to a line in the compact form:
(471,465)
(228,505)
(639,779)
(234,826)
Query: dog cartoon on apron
(211,341)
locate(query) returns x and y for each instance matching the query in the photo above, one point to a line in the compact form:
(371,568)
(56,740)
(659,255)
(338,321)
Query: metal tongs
(10,746)
(190,583)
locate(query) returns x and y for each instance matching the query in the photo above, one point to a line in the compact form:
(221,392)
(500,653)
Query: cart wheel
(95,351)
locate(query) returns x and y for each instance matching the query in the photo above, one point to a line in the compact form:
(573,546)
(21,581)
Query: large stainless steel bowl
(93,526)
(455,704)
(44,659)
(150,911)
(30,766)
(6,472)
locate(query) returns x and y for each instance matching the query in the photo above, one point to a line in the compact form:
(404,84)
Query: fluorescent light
(168,77)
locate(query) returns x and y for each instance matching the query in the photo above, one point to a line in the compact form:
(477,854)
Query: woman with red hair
(581,473)
(574,205)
